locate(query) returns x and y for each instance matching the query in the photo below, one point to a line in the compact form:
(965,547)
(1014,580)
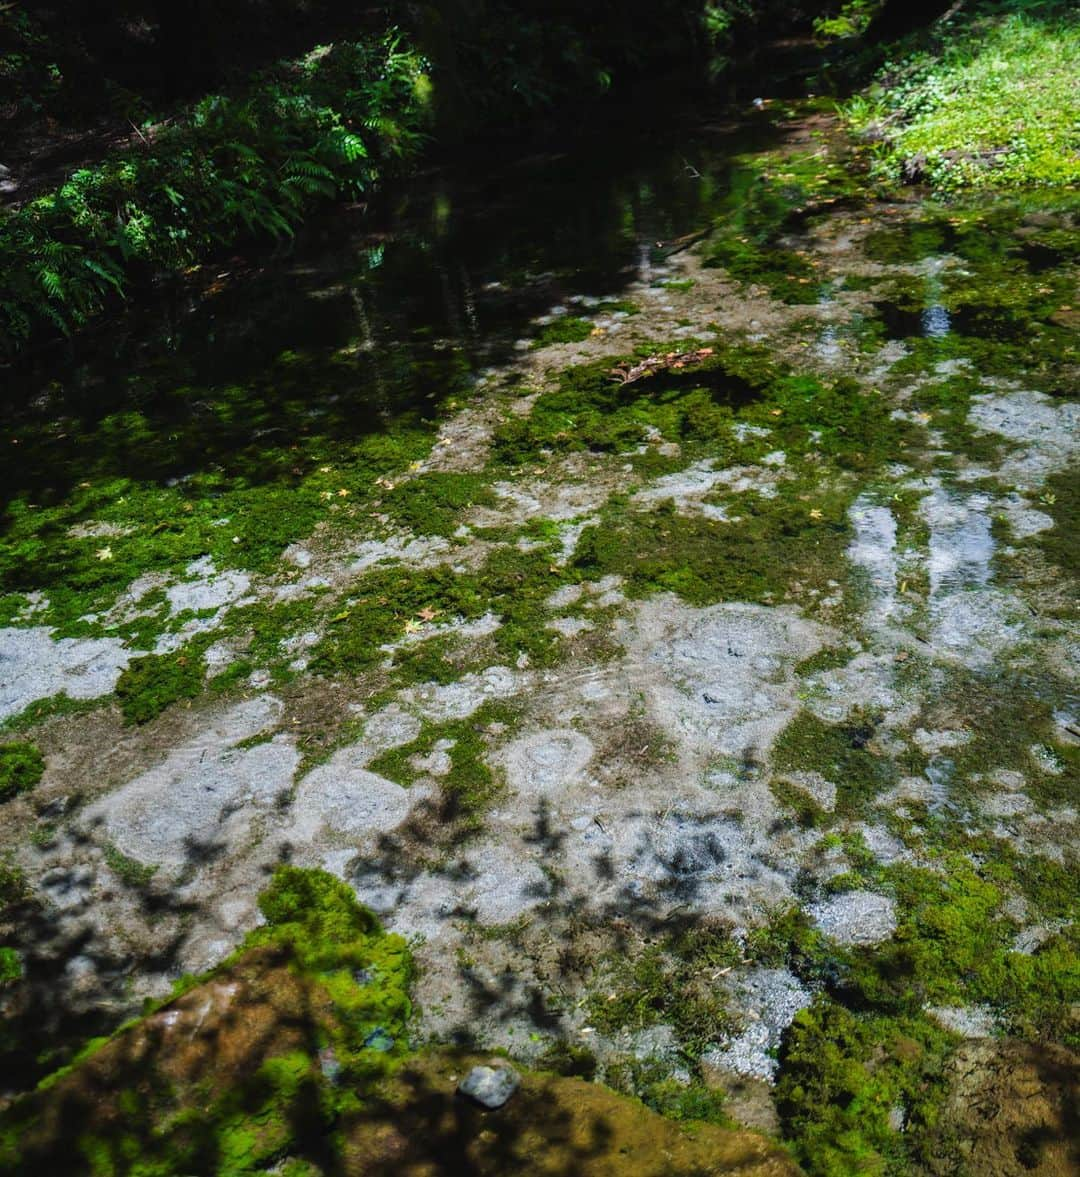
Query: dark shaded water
(333,336)
(348,327)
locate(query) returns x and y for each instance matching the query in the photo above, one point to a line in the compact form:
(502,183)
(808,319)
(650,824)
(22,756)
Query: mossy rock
(553,1125)
(248,1064)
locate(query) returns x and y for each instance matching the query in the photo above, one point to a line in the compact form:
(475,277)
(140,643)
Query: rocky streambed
(690,678)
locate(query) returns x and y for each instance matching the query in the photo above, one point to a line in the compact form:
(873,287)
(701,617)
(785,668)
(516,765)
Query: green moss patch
(434,504)
(770,202)
(511,583)
(149,685)
(565,329)
(470,786)
(841,1077)
(593,409)
(845,754)
(21,767)
(774,542)
(669,982)
(317,1013)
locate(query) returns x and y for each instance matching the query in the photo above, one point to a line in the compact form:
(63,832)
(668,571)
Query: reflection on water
(330,340)
(935,318)
(935,321)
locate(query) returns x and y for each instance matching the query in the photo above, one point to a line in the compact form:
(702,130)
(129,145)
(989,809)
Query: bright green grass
(998,106)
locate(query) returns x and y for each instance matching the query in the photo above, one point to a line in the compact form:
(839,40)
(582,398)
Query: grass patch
(993,105)
(669,982)
(129,871)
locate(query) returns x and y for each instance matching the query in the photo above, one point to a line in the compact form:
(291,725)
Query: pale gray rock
(343,797)
(209,589)
(973,1021)
(720,679)
(33,666)
(490,1087)
(545,762)
(204,796)
(855,917)
(768,1000)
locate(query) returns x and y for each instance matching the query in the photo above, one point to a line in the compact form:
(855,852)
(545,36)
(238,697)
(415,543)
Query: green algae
(11,969)
(150,684)
(866,1045)
(21,767)
(1009,721)
(14,887)
(83,548)
(830,658)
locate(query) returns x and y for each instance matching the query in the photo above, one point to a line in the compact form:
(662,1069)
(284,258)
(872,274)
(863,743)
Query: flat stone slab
(203,797)
(33,666)
(545,762)
(345,798)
